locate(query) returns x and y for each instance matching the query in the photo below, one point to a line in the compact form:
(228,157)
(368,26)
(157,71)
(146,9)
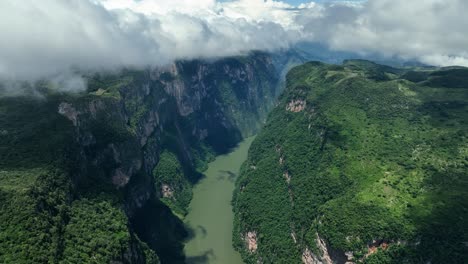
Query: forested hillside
(359,163)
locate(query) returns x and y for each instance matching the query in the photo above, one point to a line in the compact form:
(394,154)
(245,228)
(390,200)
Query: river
(210,212)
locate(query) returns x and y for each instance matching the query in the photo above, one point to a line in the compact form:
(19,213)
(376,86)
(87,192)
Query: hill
(359,163)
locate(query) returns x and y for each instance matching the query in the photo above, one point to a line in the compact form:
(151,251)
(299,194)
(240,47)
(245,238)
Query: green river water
(210,213)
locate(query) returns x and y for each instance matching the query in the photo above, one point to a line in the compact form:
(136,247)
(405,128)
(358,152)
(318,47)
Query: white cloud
(43,38)
(40,38)
(159,7)
(421,29)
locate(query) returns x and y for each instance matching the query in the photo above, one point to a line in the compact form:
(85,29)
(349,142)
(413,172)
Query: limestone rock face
(69,112)
(251,241)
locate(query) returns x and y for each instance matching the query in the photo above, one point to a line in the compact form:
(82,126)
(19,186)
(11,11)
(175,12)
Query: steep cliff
(98,176)
(359,163)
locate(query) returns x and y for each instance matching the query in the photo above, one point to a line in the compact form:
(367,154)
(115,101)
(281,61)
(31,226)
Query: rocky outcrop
(69,112)
(322,246)
(375,246)
(287,176)
(167,191)
(309,258)
(296,106)
(326,255)
(293,236)
(251,241)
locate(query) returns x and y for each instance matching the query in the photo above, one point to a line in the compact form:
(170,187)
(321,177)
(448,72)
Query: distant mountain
(313,51)
(359,163)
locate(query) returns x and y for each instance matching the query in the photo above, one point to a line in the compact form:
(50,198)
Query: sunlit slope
(361,163)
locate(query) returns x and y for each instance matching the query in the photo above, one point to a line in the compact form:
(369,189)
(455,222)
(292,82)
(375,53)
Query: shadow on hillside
(444,231)
(164,232)
(32,132)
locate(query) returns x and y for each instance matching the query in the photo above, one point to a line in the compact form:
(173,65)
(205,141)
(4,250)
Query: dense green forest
(359,162)
(44,217)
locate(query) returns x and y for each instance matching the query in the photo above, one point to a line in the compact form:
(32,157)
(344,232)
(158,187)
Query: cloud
(46,37)
(43,38)
(418,29)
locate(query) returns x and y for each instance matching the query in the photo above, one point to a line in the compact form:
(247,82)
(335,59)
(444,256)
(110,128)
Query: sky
(299,2)
(42,39)
(295,2)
